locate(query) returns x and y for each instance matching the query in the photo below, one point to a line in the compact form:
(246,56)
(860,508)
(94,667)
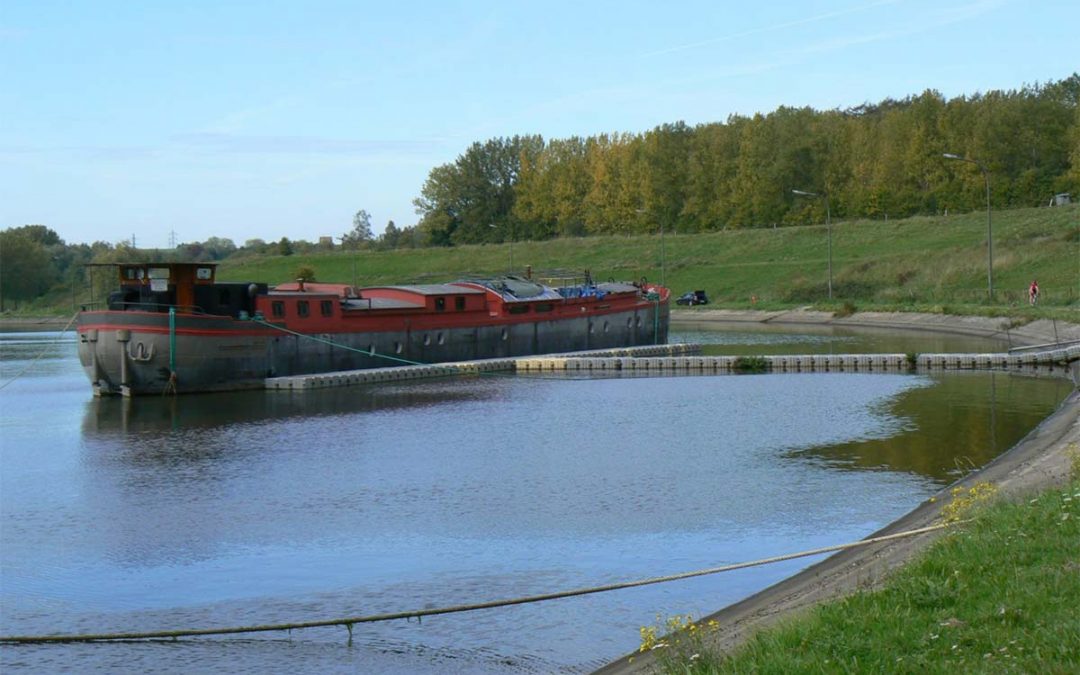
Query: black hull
(136,353)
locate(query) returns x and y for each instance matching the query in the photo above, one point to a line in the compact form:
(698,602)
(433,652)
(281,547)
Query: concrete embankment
(1042,331)
(1040,461)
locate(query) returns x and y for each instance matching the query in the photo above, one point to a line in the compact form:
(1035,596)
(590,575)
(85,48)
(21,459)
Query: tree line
(35,260)
(873,161)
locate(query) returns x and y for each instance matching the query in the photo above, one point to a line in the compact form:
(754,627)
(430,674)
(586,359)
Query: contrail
(779,26)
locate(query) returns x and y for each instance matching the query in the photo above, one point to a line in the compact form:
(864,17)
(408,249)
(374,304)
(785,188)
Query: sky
(180,121)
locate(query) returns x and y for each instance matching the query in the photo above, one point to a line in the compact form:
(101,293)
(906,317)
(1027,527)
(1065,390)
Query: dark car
(693,298)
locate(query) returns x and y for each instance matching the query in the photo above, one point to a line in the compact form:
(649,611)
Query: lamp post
(663,253)
(511,270)
(989,230)
(828,227)
(663,256)
(345,240)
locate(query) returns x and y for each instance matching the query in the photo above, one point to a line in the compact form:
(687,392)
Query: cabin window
(302,309)
(545,307)
(327,307)
(204,273)
(504,335)
(277,308)
(133,273)
(459,303)
(519,309)
(398,348)
(592,328)
(638,322)
(427,339)
(159,272)
(605,326)
(629,322)
(440,338)
(440,304)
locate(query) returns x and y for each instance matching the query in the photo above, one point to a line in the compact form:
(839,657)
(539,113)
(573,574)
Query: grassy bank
(999,595)
(936,264)
(930,264)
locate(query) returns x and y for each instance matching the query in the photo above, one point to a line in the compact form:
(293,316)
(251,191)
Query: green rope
(656,319)
(365,352)
(348,621)
(172,340)
(41,353)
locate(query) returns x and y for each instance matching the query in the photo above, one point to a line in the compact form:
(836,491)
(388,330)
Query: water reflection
(153,413)
(954,427)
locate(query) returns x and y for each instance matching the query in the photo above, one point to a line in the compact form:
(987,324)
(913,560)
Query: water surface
(262,507)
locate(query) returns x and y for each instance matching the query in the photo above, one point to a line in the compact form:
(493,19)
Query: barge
(174,328)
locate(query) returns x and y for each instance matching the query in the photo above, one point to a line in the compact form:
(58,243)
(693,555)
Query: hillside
(924,263)
(935,264)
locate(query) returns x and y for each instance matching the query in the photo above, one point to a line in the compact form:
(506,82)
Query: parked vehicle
(693,298)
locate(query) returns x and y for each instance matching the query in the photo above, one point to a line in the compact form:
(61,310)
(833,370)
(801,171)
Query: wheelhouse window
(327,307)
(277,308)
(302,309)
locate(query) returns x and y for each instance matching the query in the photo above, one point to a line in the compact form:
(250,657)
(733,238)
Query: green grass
(999,595)
(936,264)
(930,264)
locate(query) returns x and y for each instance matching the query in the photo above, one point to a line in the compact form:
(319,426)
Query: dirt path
(1040,461)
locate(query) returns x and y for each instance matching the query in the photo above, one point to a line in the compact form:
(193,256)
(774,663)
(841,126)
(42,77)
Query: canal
(266,507)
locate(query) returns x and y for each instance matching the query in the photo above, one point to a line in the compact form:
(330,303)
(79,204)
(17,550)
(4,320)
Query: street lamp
(345,240)
(663,255)
(511,271)
(828,227)
(989,230)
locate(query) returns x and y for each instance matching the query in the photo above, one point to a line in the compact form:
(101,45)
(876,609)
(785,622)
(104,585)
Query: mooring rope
(365,352)
(444,369)
(348,622)
(42,352)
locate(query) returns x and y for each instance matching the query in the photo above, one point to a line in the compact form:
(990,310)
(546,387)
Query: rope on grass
(348,622)
(42,352)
